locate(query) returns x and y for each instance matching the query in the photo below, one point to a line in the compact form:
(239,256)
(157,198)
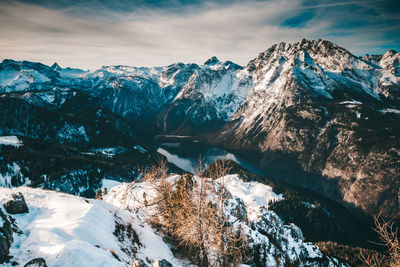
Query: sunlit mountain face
(199,133)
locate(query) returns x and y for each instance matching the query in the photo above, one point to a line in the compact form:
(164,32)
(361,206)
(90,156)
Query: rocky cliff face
(326,120)
(6,236)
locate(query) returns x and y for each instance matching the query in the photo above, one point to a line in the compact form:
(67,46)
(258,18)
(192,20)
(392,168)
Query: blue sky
(92,33)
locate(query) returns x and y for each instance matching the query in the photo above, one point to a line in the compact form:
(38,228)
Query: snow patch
(389,110)
(11,140)
(107,183)
(140,148)
(255,195)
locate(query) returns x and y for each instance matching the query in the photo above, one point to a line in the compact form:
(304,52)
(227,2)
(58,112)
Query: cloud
(92,33)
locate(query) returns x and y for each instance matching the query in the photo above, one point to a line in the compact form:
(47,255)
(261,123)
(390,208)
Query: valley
(311,125)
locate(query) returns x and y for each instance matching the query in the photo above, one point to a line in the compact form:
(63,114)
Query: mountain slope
(271,242)
(326,120)
(67,142)
(319,116)
(131,92)
(67,230)
(213,93)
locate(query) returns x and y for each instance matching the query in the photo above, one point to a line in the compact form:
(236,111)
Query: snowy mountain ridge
(67,230)
(222,87)
(247,206)
(308,103)
(312,113)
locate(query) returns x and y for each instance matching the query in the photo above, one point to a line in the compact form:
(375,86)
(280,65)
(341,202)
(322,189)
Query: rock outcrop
(138,263)
(16,204)
(37,262)
(6,236)
(161,263)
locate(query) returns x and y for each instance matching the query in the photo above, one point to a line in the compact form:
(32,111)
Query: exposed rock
(161,263)
(324,119)
(138,263)
(6,236)
(16,204)
(37,262)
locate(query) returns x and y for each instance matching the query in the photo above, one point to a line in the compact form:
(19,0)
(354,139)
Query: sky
(91,33)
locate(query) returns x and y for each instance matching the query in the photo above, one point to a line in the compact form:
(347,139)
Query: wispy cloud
(92,33)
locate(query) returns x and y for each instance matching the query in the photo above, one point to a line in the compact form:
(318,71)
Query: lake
(188,157)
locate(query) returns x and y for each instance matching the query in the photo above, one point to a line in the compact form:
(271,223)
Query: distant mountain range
(310,113)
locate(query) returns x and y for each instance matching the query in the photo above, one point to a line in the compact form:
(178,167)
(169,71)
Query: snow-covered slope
(254,195)
(67,230)
(213,93)
(24,75)
(247,205)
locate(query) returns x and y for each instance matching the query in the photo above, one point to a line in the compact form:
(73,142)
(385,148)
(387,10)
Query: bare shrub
(218,169)
(388,235)
(156,171)
(190,211)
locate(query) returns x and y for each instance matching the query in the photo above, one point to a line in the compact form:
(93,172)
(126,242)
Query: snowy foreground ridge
(68,230)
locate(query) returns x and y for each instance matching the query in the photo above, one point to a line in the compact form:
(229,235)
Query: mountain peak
(305,44)
(212,61)
(305,49)
(9,61)
(390,53)
(55,66)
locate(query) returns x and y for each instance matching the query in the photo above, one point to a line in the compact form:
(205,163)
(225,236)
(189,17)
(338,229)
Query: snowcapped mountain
(324,119)
(126,91)
(213,93)
(319,116)
(209,93)
(20,76)
(137,93)
(308,72)
(312,113)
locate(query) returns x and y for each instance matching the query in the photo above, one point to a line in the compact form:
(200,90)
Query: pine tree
(99,194)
